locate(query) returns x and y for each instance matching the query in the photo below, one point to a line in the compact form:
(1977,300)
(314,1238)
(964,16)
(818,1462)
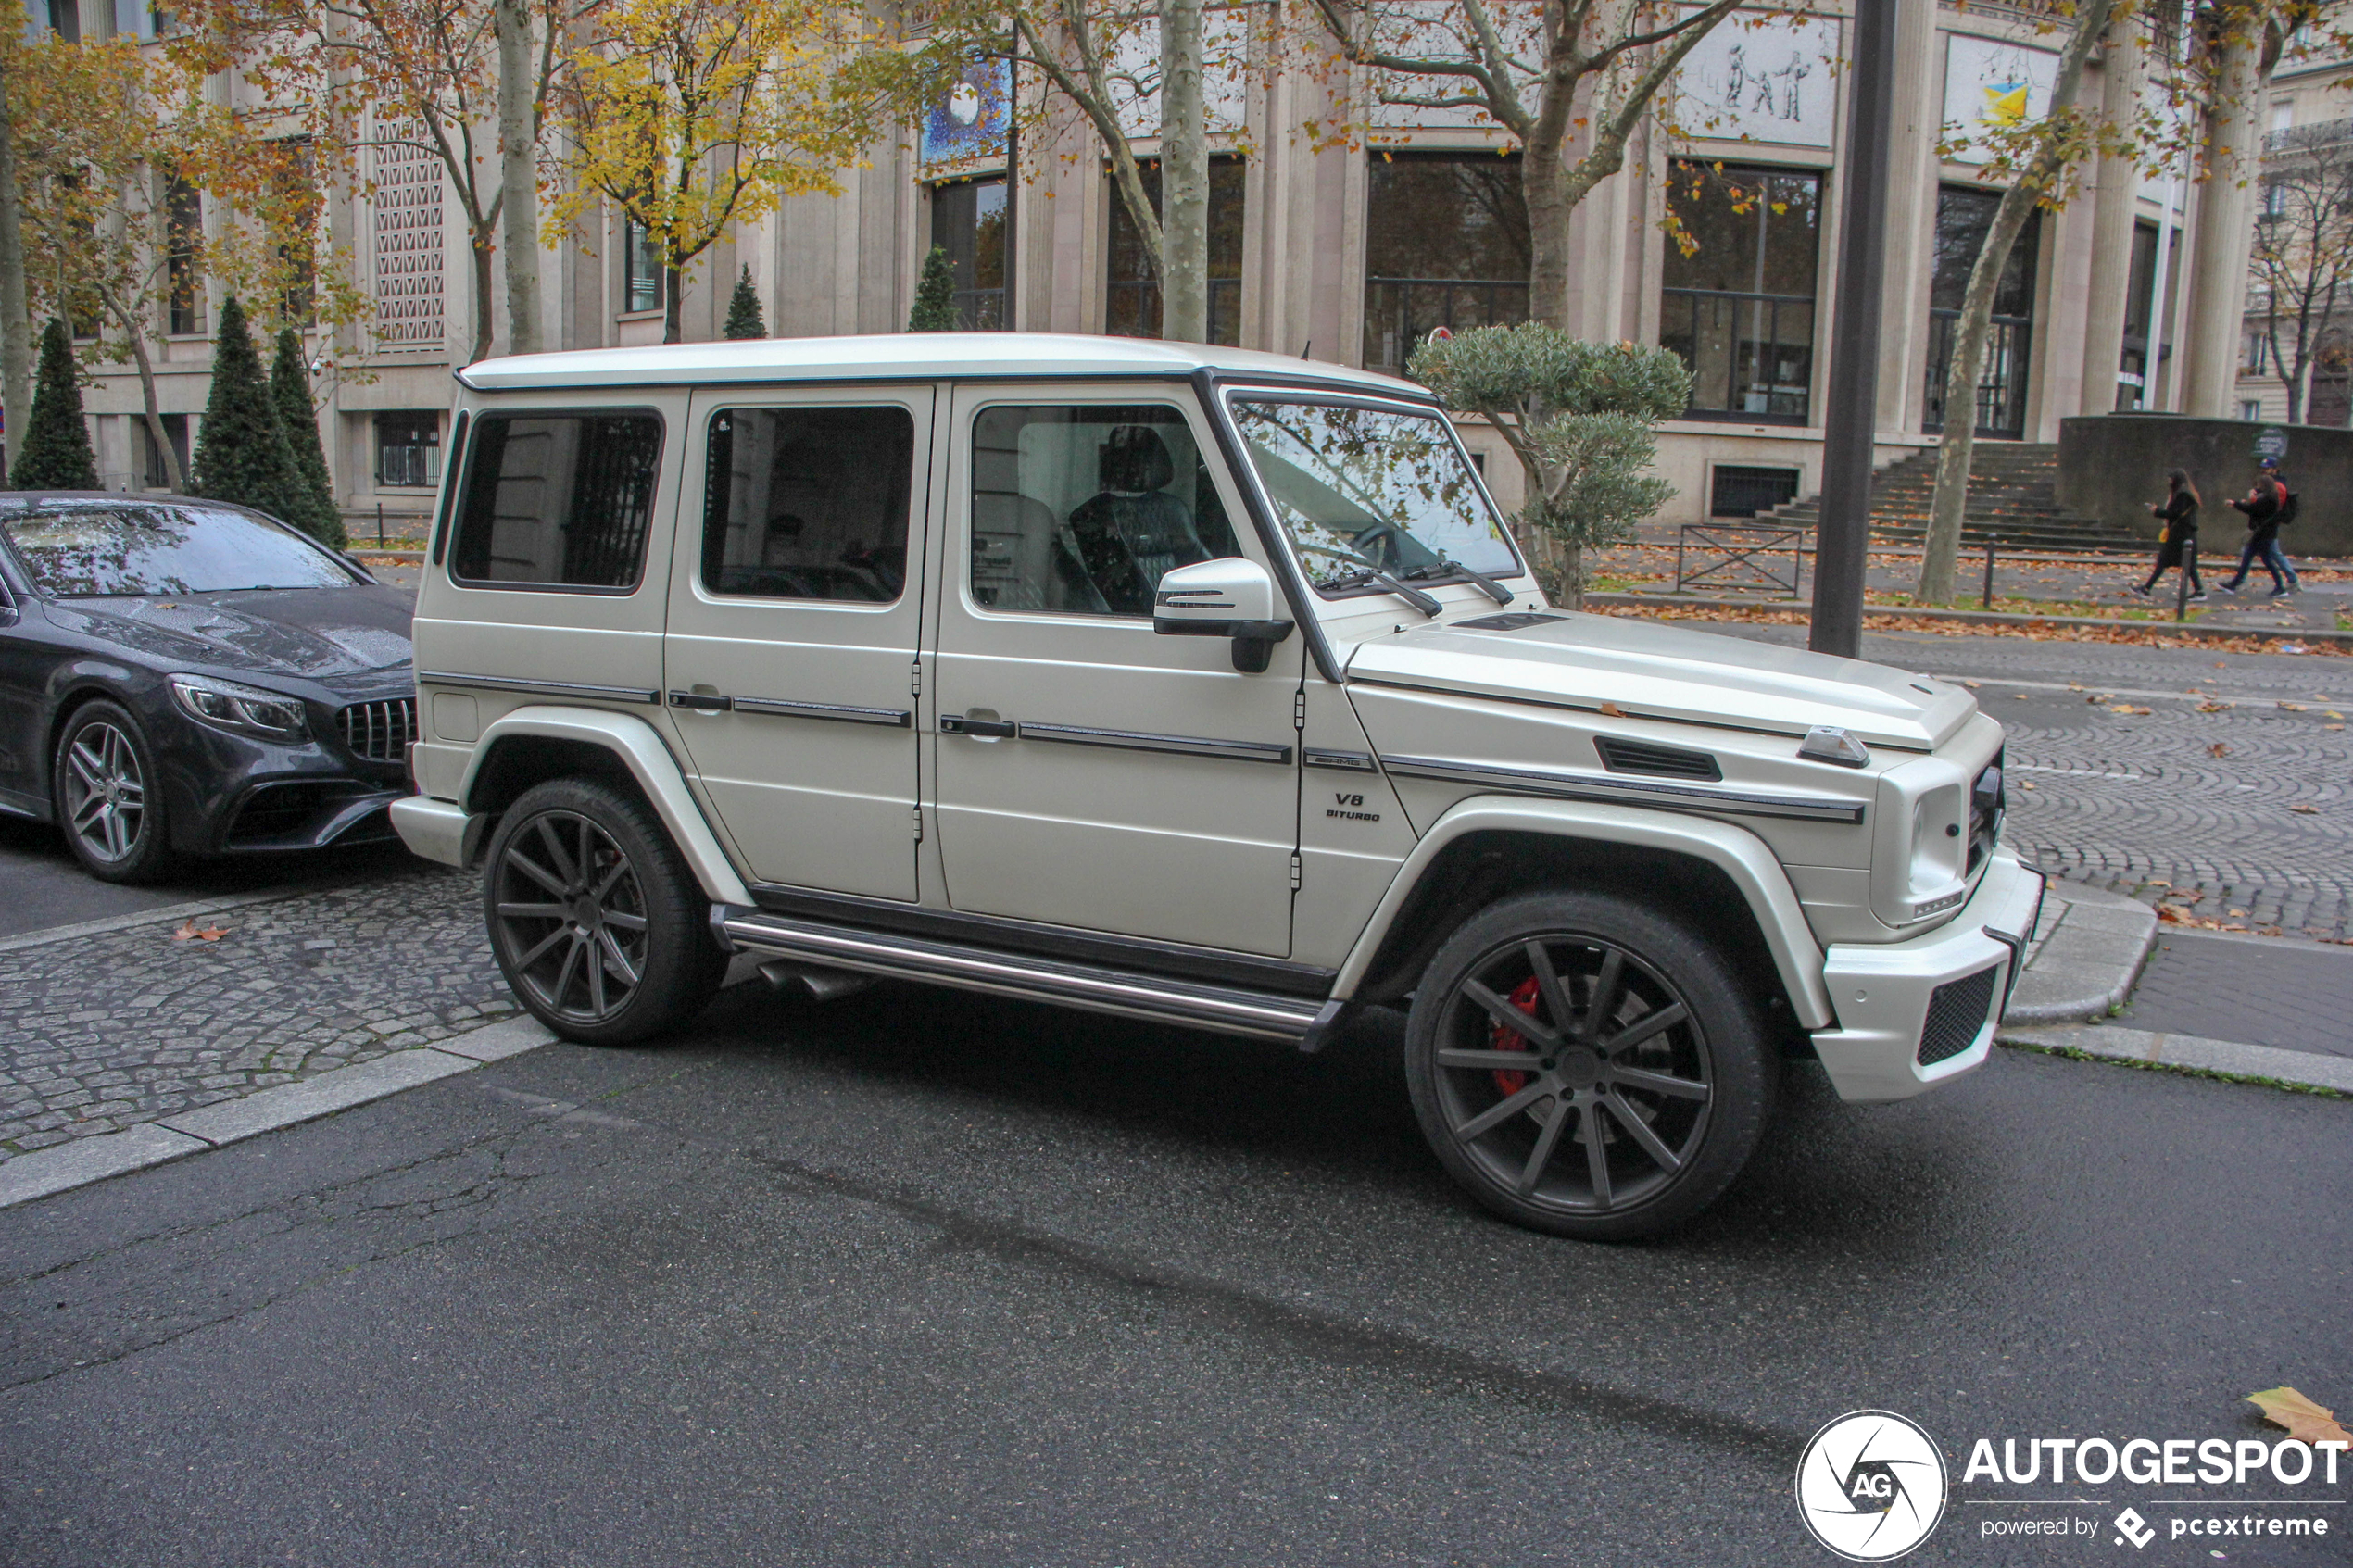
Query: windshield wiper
(1374,577)
(1445,566)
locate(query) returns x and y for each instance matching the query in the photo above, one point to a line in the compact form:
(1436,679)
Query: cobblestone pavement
(2257,835)
(98,1033)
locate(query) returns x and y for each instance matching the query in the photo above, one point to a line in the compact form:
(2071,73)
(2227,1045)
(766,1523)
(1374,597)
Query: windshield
(107,552)
(1377,490)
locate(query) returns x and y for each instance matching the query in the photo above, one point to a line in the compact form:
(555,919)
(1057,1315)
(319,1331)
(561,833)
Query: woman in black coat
(2180,512)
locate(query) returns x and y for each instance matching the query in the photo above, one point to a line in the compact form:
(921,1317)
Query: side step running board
(1218,1007)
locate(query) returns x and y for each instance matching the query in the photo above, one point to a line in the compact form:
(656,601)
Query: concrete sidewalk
(2087,949)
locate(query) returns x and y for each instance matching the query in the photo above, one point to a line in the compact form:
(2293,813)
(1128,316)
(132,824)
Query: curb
(2191,1054)
(62,1167)
(1983,618)
(2086,952)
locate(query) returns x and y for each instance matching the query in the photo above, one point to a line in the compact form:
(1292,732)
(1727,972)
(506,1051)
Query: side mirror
(1226,597)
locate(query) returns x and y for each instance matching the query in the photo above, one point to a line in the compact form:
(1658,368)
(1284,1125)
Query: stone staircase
(2012,486)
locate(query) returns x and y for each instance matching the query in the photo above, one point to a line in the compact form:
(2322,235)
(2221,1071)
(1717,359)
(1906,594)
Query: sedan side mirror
(1226,597)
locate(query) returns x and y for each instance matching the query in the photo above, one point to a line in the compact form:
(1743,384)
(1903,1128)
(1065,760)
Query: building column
(2115,203)
(1911,218)
(2223,236)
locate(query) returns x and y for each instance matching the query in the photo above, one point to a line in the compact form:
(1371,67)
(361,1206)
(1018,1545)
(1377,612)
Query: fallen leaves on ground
(2126,707)
(2305,810)
(191,931)
(2174,914)
(2122,633)
(2292,707)
(2214,707)
(2306,1421)
(2218,749)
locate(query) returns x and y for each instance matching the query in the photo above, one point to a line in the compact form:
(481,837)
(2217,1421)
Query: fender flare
(649,762)
(1738,853)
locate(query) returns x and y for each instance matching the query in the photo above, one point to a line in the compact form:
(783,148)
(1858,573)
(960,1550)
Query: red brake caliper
(1523,997)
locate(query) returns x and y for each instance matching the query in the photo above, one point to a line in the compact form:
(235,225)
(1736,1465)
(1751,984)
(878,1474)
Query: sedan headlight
(245,711)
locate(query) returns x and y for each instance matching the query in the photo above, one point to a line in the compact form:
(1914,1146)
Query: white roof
(900,356)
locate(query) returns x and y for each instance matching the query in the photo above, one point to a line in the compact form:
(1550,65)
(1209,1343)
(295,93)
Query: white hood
(1649,671)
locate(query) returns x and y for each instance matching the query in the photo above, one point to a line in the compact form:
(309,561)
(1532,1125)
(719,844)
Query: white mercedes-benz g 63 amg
(1186,685)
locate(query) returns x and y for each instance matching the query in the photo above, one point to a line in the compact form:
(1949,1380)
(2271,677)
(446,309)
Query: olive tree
(1580,417)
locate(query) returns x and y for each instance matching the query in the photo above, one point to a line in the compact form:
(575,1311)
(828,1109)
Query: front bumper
(1891,1015)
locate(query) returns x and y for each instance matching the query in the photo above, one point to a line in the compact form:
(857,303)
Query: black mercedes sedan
(182,677)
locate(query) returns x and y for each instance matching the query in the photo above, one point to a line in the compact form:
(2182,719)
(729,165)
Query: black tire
(108,796)
(1678,1082)
(599,927)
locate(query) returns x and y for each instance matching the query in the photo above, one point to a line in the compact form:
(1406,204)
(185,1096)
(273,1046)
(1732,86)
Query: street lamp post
(1841,539)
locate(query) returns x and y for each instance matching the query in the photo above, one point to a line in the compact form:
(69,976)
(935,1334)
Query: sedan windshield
(1377,491)
(106,552)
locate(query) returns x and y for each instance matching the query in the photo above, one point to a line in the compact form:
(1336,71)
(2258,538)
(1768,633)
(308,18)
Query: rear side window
(558,500)
(808,503)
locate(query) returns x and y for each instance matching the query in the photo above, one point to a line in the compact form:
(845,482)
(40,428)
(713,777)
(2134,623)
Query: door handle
(701,702)
(957,724)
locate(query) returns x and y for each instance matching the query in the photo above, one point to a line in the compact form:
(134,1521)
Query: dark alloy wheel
(107,796)
(1586,1066)
(599,927)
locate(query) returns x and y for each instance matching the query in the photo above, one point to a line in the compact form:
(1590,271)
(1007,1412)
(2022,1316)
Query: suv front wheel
(598,924)
(1586,1066)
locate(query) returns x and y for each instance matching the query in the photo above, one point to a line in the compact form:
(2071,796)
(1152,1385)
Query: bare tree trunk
(1940,551)
(1184,176)
(482,245)
(156,432)
(519,174)
(15,326)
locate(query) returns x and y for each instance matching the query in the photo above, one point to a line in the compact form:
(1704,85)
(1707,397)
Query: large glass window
(641,268)
(1135,289)
(1445,246)
(2136,370)
(1964,217)
(1738,298)
(968,221)
(808,503)
(558,500)
(409,450)
(1362,491)
(1080,510)
(137,550)
(184,231)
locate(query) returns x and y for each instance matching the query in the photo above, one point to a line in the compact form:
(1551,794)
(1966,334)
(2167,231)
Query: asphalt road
(928,1279)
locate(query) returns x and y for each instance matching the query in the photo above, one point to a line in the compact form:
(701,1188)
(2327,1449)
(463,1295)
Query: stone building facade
(1349,249)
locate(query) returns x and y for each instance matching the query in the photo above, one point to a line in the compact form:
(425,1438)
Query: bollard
(380,525)
(2181,580)
(1989,574)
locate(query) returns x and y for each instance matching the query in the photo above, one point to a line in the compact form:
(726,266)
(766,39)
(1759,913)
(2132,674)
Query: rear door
(794,611)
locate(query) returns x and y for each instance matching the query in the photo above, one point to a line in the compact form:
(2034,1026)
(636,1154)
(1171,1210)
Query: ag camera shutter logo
(1870,1485)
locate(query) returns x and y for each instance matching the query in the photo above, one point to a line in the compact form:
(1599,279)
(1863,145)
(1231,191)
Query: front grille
(1987,801)
(1956,1012)
(1622,756)
(380,731)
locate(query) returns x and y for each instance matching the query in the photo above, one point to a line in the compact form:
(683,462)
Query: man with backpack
(2270,506)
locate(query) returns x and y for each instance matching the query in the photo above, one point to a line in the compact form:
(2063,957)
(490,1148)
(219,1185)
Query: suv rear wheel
(599,927)
(1586,1066)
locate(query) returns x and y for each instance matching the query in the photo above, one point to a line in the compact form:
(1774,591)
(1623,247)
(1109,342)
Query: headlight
(245,711)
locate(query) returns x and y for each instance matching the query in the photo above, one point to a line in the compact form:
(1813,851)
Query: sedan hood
(1648,671)
(318,634)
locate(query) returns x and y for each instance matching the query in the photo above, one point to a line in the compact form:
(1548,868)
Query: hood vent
(1510,620)
(1622,756)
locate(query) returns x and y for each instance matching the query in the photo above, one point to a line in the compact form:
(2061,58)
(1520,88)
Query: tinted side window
(808,503)
(1080,510)
(558,500)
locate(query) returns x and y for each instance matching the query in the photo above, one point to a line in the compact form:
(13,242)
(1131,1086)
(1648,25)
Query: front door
(794,609)
(1089,772)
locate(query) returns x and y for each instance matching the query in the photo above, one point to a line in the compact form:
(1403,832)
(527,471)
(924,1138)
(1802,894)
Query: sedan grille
(1957,1011)
(380,731)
